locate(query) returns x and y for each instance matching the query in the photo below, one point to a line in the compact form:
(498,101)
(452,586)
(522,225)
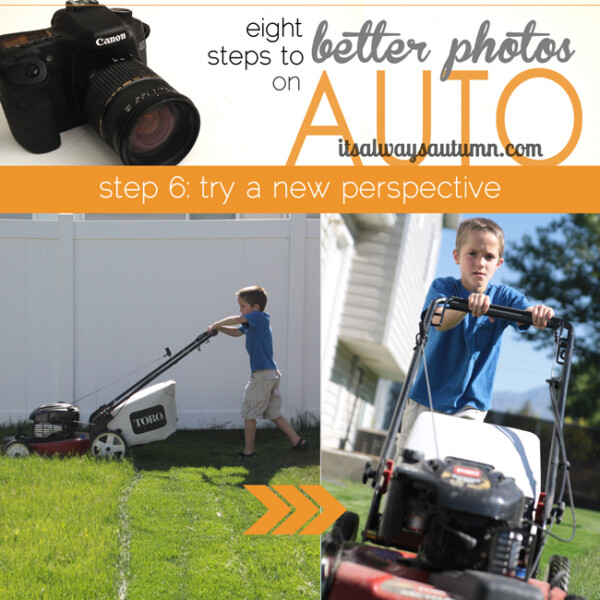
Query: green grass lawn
(59,527)
(583,552)
(167,523)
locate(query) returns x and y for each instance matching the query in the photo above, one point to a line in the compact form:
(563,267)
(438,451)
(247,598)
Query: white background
(245,121)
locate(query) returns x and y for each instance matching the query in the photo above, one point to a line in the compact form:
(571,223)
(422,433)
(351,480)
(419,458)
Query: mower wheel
(108,444)
(343,530)
(346,526)
(16,449)
(559,572)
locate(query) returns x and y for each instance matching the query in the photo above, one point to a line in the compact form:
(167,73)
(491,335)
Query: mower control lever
(369,473)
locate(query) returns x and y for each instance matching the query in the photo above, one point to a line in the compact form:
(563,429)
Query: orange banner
(269,189)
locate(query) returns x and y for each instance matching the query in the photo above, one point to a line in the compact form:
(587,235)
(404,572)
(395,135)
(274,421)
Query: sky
(521,367)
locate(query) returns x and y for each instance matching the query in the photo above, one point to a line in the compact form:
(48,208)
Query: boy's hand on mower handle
(212,328)
(540,315)
(479,304)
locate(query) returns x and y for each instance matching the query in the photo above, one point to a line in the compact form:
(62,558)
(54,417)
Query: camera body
(90,66)
(44,74)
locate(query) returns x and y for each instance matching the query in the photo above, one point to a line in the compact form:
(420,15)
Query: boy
(261,396)
(462,353)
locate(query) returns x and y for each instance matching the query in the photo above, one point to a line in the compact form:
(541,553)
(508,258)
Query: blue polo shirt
(461,362)
(259,340)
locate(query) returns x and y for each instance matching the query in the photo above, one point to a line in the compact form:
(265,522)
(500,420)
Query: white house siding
(371,283)
(416,268)
(390,273)
(390,264)
(338,399)
(337,250)
(87,302)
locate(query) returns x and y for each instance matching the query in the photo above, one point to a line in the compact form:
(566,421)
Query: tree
(561,268)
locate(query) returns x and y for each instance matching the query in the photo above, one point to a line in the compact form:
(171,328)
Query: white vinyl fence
(87,308)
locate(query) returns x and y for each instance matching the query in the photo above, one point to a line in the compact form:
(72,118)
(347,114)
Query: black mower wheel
(559,572)
(569,597)
(344,530)
(16,449)
(108,444)
(347,526)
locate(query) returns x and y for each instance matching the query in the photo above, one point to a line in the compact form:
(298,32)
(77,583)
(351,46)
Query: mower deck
(79,444)
(365,572)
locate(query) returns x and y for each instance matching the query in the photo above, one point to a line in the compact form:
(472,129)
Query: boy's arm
(478,306)
(451,319)
(232,331)
(225,325)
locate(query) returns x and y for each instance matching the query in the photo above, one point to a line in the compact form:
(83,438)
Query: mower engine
(454,514)
(55,421)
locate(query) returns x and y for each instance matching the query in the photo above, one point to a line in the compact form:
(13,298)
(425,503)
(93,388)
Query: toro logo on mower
(148,419)
(467,472)
(466,477)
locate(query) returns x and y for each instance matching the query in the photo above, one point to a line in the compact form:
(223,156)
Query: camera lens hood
(143,118)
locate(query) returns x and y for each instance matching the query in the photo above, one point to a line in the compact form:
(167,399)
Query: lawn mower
(137,416)
(461,515)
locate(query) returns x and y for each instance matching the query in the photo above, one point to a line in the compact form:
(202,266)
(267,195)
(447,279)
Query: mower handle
(103,412)
(206,335)
(495,311)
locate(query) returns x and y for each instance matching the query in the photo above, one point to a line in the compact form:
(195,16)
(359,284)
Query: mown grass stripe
(125,538)
(199,510)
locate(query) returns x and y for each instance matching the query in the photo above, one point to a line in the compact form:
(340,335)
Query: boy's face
(246,308)
(478,259)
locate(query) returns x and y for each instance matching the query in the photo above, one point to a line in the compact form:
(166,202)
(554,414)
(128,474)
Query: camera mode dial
(80,3)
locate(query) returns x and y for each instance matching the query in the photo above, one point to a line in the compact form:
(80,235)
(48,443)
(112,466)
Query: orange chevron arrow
(277,509)
(331,509)
(305,509)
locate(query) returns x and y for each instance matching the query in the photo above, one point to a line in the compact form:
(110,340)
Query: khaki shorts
(262,399)
(413,409)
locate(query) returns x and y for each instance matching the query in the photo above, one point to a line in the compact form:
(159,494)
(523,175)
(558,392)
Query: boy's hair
(254,294)
(479,224)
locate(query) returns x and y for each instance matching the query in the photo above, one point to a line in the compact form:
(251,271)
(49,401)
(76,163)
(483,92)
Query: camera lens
(153,129)
(140,115)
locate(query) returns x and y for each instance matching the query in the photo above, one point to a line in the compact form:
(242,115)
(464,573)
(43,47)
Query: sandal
(242,455)
(301,445)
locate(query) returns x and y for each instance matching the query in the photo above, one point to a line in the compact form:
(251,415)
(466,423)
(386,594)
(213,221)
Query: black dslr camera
(90,66)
